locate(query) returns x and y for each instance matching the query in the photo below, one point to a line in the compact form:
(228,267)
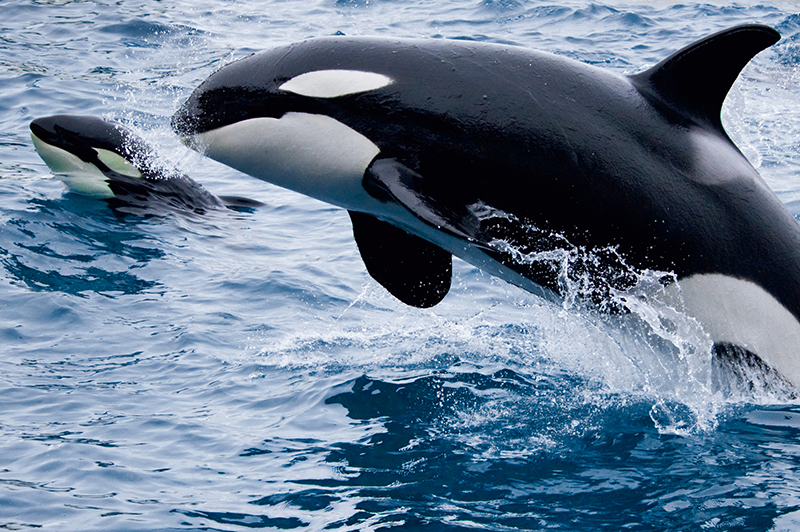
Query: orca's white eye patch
(117,163)
(334,83)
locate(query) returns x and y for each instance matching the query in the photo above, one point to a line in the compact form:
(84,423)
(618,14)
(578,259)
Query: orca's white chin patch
(335,83)
(315,155)
(80,177)
(741,313)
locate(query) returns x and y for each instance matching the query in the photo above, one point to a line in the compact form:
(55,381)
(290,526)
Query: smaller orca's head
(84,151)
(285,121)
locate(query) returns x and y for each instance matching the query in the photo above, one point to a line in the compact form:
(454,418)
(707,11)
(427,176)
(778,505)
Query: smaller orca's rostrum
(105,160)
(442,147)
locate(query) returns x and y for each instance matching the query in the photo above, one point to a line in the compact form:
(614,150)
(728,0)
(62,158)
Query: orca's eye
(334,83)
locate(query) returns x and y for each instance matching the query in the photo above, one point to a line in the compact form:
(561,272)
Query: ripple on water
(240,370)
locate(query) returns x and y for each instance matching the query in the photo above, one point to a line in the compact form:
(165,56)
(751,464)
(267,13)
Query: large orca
(495,153)
(105,160)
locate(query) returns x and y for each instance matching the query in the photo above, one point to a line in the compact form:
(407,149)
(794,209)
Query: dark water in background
(240,370)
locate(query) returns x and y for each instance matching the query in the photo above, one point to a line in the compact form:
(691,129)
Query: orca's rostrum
(440,147)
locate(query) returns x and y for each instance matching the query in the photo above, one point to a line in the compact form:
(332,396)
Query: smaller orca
(104,160)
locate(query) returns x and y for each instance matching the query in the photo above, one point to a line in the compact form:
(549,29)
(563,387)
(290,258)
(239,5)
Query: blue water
(240,370)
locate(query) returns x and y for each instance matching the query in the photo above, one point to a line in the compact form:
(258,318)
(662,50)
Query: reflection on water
(57,246)
(238,371)
(510,451)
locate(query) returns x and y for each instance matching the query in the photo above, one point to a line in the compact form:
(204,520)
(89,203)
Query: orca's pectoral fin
(390,179)
(413,270)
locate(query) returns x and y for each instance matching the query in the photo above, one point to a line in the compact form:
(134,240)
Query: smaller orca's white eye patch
(117,163)
(334,83)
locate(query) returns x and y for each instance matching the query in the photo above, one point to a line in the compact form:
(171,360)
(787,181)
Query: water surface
(240,370)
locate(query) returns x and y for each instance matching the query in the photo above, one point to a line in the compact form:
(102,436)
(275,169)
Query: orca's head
(84,151)
(280,116)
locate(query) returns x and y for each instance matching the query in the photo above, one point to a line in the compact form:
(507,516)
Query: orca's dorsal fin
(413,270)
(695,80)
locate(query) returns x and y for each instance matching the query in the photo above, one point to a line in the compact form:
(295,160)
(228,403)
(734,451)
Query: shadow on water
(249,521)
(77,247)
(91,280)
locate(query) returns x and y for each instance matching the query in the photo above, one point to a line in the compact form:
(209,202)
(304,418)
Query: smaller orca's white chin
(80,177)
(739,312)
(315,155)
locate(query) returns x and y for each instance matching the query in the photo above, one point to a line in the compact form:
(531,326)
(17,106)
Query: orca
(105,160)
(513,159)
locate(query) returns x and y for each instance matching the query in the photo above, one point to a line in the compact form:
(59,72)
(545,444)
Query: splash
(653,349)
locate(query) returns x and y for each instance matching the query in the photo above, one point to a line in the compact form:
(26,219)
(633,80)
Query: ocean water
(240,370)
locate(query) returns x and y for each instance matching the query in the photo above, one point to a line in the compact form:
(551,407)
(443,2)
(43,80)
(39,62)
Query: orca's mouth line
(76,143)
(220,108)
(64,139)
(83,136)
(216,108)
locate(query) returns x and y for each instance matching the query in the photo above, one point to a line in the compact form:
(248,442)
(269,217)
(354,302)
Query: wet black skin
(590,158)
